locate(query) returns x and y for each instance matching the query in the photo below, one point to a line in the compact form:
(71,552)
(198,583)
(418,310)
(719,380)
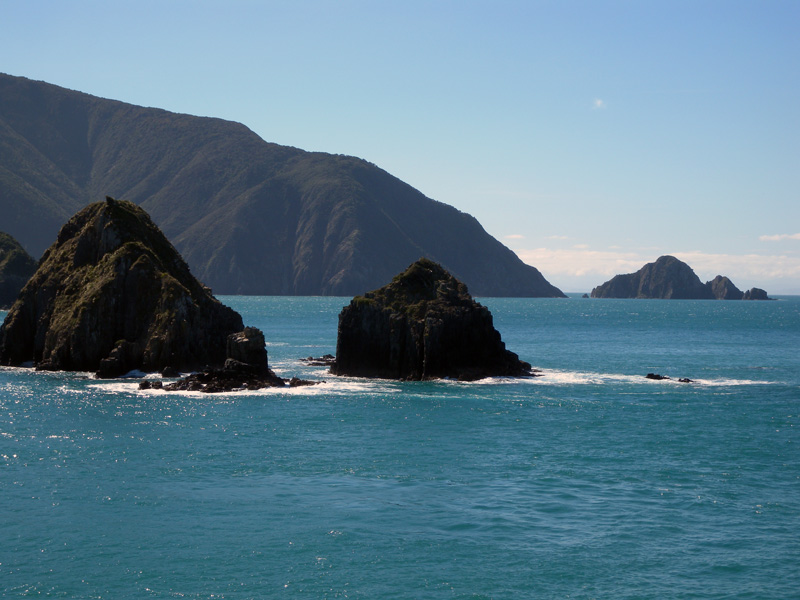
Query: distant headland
(669,278)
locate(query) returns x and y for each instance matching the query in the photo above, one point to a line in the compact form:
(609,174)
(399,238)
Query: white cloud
(598,104)
(515,236)
(779,237)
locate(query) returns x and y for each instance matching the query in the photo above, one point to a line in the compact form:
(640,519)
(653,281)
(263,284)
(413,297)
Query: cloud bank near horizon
(779,237)
(578,268)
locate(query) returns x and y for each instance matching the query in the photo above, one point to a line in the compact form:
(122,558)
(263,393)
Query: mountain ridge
(249,216)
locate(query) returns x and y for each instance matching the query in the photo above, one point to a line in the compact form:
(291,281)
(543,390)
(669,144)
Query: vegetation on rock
(112,295)
(423,325)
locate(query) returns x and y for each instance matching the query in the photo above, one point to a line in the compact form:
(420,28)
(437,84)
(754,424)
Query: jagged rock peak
(723,289)
(112,295)
(422,325)
(16,267)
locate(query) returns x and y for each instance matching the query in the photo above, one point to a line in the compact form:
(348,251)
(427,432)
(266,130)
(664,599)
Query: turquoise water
(589,482)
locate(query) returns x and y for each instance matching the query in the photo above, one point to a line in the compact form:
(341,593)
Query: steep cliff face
(423,325)
(111,295)
(16,267)
(723,289)
(250,217)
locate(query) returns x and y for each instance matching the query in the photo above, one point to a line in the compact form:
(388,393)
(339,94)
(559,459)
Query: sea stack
(422,325)
(16,267)
(112,295)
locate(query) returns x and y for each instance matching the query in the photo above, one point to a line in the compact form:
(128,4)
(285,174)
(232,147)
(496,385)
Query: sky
(589,137)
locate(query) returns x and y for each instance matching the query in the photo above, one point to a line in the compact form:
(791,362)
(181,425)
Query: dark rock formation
(755,294)
(666,278)
(723,289)
(246,368)
(250,217)
(16,268)
(423,325)
(656,376)
(659,377)
(325,360)
(112,295)
(669,278)
(247,350)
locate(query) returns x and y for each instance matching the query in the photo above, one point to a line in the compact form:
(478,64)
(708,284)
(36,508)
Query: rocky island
(422,325)
(16,267)
(670,278)
(112,295)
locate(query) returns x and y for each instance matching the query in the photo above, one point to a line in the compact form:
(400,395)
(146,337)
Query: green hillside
(250,217)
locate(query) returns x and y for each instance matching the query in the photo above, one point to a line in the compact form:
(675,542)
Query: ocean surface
(588,482)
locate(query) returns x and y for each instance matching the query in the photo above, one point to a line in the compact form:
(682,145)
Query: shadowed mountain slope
(16,267)
(250,217)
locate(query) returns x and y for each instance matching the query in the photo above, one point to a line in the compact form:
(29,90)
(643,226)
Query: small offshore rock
(656,376)
(150,384)
(322,361)
(246,368)
(756,294)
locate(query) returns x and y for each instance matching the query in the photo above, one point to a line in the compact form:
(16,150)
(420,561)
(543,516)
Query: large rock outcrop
(670,278)
(423,325)
(666,278)
(16,268)
(249,217)
(112,295)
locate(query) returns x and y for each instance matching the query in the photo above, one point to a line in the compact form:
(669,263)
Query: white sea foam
(330,385)
(567,378)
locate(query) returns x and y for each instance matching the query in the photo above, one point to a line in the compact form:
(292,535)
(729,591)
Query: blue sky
(590,137)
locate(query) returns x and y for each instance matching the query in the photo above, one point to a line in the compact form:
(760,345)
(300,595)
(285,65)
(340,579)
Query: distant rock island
(670,278)
(112,295)
(422,325)
(16,267)
(249,217)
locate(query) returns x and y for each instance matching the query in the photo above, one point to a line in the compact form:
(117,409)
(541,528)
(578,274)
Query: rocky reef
(670,278)
(16,268)
(422,325)
(112,295)
(246,368)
